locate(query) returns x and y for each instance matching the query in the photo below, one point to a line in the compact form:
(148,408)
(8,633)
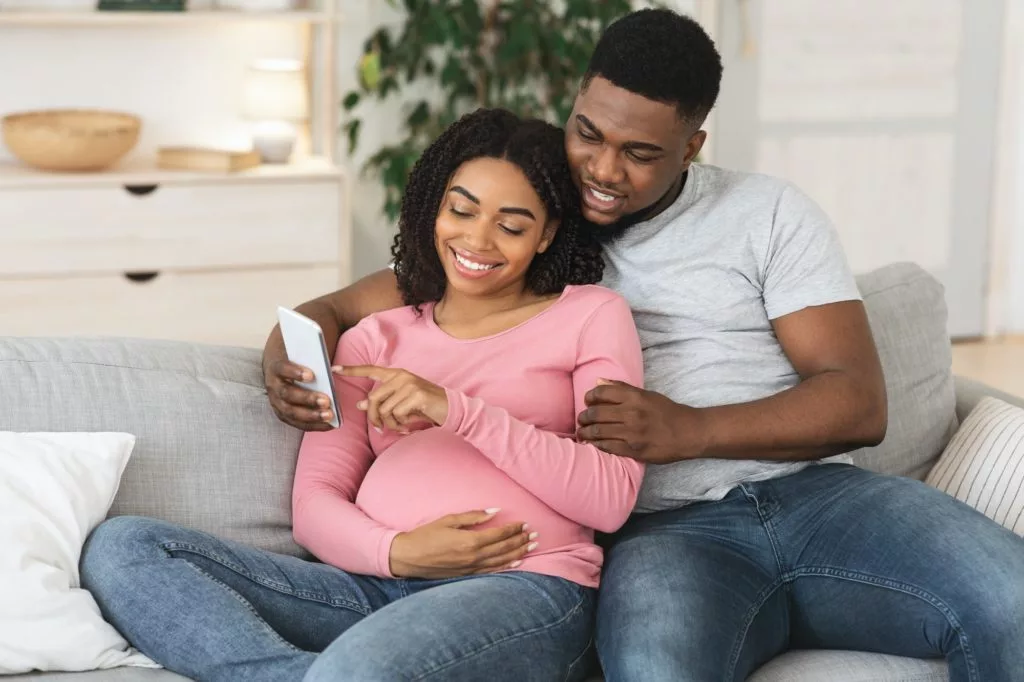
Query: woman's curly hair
(538,149)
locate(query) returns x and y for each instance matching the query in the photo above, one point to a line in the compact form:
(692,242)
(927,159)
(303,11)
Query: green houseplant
(523,55)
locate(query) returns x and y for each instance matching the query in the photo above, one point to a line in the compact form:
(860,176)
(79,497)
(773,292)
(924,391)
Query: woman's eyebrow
(518,211)
(458,189)
(512,210)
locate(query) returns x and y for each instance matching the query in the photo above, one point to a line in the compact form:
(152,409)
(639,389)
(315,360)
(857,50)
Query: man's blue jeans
(216,610)
(833,557)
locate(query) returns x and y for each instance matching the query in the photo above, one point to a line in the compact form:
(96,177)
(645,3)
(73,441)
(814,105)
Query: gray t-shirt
(704,278)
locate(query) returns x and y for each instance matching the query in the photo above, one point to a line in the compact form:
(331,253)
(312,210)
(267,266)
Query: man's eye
(587,135)
(642,159)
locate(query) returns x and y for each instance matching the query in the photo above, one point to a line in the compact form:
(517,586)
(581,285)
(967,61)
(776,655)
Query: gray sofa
(210,453)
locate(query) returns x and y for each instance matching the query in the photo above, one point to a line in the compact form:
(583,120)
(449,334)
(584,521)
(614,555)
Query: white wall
(372,232)
(1015,266)
(1015,288)
(1006,256)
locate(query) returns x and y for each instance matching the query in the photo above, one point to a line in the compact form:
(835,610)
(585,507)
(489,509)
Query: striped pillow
(983,465)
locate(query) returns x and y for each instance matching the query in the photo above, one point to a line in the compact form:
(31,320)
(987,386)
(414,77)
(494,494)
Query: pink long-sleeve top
(508,441)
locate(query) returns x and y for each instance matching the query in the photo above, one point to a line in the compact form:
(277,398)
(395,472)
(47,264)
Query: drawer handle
(141,277)
(140,190)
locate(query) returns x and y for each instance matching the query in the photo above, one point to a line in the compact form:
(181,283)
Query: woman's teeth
(473,265)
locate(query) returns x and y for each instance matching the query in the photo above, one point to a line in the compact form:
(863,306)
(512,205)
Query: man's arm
(335,313)
(839,404)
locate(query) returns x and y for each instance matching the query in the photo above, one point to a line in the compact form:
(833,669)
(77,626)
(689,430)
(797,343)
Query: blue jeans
(216,610)
(833,557)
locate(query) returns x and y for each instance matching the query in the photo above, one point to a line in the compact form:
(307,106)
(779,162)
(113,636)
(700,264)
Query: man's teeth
(601,195)
(473,266)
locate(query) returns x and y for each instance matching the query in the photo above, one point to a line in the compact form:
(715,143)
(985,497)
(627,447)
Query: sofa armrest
(970,392)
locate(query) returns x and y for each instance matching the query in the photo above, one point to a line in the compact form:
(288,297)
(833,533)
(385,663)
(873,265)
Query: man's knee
(995,610)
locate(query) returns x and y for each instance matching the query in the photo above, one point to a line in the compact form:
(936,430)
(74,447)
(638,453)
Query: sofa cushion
(983,465)
(907,310)
(210,454)
(849,666)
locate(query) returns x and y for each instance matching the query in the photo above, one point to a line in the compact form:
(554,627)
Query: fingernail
(336,368)
(492,511)
(361,404)
(323,402)
(603,381)
(326,416)
(525,526)
(515,564)
(533,536)
(532,546)
(307,376)
(378,430)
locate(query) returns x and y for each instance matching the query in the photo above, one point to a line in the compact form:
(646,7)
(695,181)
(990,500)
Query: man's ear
(549,235)
(693,147)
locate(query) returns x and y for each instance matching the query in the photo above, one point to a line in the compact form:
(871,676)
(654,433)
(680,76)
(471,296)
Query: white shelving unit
(136,250)
(20,17)
(18,176)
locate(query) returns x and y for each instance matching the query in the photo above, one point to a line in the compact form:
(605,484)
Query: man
(760,365)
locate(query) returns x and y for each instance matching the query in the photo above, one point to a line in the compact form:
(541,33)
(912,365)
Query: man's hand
(644,425)
(295,405)
(446,549)
(401,401)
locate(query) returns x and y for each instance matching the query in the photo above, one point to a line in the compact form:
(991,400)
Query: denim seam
(748,620)
(765,594)
(768,528)
(572,665)
(279,587)
(906,588)
(511,638)
(244,602)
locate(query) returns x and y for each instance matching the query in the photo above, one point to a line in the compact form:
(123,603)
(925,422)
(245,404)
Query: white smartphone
(304,344)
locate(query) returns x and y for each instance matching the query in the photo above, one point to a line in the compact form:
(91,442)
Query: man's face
(626,151)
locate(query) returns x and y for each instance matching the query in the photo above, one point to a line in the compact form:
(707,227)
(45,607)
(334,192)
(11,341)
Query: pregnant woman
(453,511)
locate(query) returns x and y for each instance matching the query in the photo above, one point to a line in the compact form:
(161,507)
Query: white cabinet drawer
(68,229)
(232,308)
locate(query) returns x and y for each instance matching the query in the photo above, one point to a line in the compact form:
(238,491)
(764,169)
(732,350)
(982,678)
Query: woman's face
(490,226)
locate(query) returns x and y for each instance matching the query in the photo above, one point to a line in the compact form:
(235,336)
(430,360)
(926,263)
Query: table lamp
(275,96)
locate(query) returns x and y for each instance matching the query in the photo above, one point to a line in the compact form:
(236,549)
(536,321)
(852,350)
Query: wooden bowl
(71,139)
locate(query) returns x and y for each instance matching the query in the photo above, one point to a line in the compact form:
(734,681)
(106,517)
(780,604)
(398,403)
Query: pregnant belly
(431,473)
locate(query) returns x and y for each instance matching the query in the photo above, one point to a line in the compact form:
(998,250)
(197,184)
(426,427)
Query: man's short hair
(663,56)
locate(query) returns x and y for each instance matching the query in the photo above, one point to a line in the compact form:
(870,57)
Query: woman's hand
(446,549)
(401,399)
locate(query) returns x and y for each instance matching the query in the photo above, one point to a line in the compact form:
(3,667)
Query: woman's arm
(579,481)
(331,466)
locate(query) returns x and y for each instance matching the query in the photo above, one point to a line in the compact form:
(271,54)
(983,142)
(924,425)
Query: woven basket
(71,139)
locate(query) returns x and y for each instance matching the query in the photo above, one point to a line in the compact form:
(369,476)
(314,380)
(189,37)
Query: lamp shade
(275,89)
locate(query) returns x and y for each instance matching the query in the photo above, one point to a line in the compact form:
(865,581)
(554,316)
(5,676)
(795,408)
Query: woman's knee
(119,541)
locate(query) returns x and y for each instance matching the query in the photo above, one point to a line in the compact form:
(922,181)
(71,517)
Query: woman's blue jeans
(215,610)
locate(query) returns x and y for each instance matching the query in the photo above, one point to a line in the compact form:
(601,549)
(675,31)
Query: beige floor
(997,363)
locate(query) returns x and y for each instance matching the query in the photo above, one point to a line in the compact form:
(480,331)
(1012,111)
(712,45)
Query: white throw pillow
(54,489)
(983,465)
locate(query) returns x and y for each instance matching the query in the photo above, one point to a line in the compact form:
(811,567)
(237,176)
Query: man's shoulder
(735,184)
(757,201)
